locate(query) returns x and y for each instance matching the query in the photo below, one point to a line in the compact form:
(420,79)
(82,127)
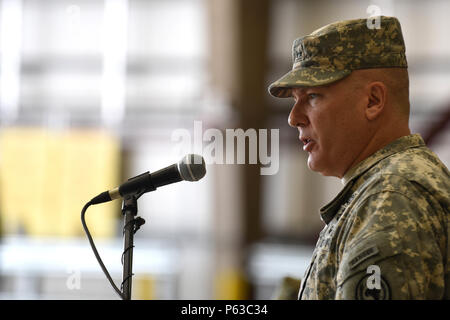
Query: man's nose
(297,117)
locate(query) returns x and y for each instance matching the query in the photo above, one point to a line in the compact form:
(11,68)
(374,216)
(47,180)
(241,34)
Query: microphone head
(192,167)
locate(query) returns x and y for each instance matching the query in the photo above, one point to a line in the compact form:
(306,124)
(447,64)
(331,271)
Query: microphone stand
(131,225)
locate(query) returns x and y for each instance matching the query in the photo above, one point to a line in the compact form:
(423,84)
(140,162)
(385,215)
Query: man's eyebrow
(299,91)
(302,90)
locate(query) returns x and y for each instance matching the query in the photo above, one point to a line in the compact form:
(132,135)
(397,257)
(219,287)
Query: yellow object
(144,287)
(46,177)
(231,284)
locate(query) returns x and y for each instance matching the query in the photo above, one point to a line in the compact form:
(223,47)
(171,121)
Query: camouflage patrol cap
(333,51)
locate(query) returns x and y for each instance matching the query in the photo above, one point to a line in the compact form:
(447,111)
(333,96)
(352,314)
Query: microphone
(190,168)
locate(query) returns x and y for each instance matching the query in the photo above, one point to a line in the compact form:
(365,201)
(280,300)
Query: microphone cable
(94,249)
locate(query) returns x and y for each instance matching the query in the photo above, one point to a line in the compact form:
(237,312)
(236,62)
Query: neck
(379,140)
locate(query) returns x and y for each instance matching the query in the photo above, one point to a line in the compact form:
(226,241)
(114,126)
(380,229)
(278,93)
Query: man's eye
(312,95)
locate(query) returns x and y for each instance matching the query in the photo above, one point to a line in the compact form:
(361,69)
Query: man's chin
(316,166)
(312,164)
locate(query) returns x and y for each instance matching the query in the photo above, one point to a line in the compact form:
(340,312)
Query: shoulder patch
(363,292)
(363,255)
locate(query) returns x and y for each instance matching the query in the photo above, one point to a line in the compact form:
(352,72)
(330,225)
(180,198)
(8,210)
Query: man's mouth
(307,143)
(305,140)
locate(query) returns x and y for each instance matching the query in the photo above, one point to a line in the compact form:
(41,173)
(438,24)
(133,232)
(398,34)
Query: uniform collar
(328,211)
(411,141)
(398,145)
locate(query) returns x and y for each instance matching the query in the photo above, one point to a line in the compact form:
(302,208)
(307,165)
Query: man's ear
(377,95)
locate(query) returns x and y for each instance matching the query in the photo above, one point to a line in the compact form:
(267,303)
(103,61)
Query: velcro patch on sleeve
(363,255)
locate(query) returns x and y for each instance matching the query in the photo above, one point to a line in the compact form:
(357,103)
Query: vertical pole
(250,104)
(239,40)
(129,210)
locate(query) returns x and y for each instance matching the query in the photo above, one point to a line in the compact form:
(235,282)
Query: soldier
(387,232)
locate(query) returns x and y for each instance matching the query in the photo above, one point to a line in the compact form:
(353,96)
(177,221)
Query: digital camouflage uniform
(392,214)
(386,233)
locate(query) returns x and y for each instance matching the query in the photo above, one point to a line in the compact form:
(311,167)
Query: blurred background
(90,94)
